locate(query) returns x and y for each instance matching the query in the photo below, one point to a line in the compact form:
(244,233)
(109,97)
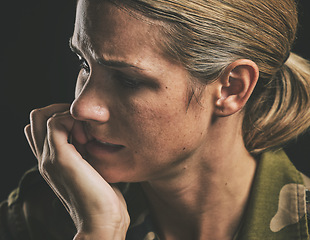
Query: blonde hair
(207,35)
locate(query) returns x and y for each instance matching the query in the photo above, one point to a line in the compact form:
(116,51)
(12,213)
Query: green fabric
(278,192)
(276,181)
(275,172)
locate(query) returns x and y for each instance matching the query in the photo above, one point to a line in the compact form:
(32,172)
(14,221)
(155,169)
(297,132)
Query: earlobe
(235,87)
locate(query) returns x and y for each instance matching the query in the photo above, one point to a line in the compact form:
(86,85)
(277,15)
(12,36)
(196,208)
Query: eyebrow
(104,62)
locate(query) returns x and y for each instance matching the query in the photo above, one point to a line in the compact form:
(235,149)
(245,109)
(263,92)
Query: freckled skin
(160,134)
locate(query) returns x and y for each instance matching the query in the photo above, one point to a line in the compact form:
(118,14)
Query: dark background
(38,68)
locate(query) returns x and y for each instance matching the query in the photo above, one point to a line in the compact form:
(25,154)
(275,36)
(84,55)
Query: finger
(78,137)
(78,133)
(27,131)
(59,196)
(59,128)
(38,120)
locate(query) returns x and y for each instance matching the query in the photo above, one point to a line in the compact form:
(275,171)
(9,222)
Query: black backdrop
(38,68)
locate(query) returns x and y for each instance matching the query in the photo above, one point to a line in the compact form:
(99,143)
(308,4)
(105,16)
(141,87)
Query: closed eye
(127,81)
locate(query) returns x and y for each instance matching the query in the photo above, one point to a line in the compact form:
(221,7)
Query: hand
(98,209)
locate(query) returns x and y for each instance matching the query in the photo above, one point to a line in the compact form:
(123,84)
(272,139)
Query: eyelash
(83,64)
(127,81)
(124,80)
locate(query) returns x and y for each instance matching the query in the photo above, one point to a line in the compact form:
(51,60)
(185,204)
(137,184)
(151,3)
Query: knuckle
(26,129)
(41,168)
(51,122)
(34,113)
(46,166)
(57,120)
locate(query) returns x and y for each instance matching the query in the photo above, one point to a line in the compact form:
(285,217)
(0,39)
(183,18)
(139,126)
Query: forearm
(116,234)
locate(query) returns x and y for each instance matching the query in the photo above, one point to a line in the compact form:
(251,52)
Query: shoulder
(306,180)
(34,210)
(277,204)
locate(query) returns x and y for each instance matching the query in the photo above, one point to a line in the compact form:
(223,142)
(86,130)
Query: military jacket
(276,210)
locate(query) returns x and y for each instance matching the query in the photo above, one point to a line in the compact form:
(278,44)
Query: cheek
(163,130)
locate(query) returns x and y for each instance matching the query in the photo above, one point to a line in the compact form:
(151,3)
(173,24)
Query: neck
(206,200)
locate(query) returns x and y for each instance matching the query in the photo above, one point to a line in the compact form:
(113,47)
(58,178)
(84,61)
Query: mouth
(102,148)
(108,144)
(99,146)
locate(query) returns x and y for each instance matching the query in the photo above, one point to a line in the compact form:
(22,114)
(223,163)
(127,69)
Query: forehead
(104,27)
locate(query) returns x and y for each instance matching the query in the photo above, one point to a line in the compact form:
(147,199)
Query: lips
(100,148)
(96,145)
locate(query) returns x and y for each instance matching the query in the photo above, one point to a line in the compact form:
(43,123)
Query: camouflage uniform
(277,207)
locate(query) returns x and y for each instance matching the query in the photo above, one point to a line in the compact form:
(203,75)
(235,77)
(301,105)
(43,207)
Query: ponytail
(280,109)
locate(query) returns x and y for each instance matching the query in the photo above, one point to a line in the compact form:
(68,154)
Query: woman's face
(132,100)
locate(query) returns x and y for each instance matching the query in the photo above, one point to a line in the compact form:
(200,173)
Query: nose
(90,104)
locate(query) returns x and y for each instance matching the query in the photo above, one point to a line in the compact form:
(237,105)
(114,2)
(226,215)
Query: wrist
(105,235)
(108,232)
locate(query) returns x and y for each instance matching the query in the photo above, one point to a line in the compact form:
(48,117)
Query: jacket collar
(277,205)
(276,209)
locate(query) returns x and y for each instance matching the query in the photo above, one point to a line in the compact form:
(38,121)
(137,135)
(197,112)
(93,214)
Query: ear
(235,86)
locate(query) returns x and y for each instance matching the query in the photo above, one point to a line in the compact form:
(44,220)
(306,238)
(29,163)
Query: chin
(115,170)
(114,175)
